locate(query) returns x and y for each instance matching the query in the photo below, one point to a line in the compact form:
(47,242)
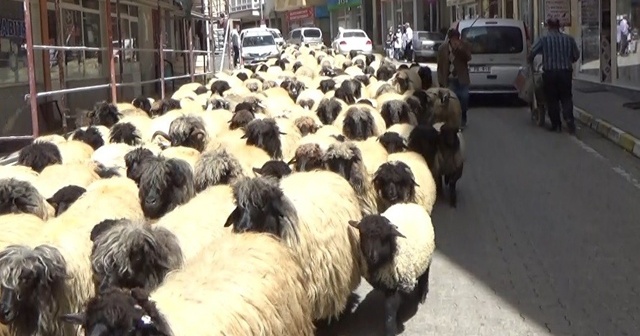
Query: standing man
(235,43)
(559,52)
(408,48)
(453,69)
(623,29)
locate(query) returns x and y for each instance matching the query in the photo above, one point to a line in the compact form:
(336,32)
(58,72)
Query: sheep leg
(423,285)
(438,179)
(391,307)
(453,179)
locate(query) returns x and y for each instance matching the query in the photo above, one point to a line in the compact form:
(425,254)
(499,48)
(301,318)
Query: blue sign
(322,12)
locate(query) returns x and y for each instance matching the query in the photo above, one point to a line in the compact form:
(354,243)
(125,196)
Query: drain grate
(632,105)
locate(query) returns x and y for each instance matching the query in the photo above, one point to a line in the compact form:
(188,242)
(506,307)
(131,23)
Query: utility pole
(262,12)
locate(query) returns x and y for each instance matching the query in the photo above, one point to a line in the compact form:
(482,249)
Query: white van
(499,47)
(305,35)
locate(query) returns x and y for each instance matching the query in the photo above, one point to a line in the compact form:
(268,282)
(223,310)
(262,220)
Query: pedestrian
(623,28)
(397,45)
(559,52)
(235,43)
(408,48)
(453,69)
(390,41)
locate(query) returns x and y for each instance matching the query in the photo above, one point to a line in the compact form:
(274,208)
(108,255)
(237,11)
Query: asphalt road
(544,240)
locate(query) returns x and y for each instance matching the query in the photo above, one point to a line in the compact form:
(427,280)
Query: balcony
(244,5)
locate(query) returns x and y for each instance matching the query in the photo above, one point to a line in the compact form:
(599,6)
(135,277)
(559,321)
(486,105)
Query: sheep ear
(292,161)
(77,318)
(234,217)
(244,136)
(397,233)
(283,133)
(354,223)
(257,171)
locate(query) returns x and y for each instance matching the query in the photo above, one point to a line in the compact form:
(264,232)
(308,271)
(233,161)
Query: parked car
(425,45)
(258,45)
(498,49)
(277,36)
(352,39)
(305,35)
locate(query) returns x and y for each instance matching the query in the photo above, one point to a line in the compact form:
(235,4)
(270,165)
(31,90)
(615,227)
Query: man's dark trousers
(236,56)
(558,92)
(408,51)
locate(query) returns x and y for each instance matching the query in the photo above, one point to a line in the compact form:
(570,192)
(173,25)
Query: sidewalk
(603,111)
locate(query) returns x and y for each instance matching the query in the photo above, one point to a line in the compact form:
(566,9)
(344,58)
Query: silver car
(425,45)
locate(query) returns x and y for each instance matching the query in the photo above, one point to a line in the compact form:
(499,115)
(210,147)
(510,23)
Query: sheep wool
(55,177)
(426,188)
(373,154)
(74,151)
(19,229)
(188,154)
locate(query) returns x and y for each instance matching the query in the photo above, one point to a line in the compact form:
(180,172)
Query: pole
(122,51)
(261,12)
(33,100)
(112,62)
(161,28)
(61,58)
(192,66)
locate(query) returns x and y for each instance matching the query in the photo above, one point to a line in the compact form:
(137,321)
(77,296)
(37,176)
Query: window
(353,34)
(295,34)
(91,38)
(258,41)
(313,33)
(430,36)
(494,40)
(13,55)
(128,38)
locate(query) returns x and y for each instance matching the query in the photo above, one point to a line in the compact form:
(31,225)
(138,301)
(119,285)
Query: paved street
(544,240)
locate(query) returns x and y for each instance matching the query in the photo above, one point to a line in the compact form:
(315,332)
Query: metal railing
(111,50)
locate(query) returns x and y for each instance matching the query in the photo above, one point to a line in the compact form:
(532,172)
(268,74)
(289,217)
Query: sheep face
(39,155)
(294,87)
(392,142)
(359,63)
(345,159)
(308,157)
(219,87)
(31,281)
(385,72)
(217,167)
(327,85)
(219,103)
(261,206)
(188,131)
(242,76)
(394,183)
(133,160)
(364,79)
(164,184)
(306,125)
(273,168)
(328,110)
(65,197)
(91,136)
(117,312)
(358,124)
(142,103)
(21,197)
(241,119)
(351,90)
(265,134)
(125,133)
(377,240)
(402,82)
(395,112)
(104,114)
(160,107)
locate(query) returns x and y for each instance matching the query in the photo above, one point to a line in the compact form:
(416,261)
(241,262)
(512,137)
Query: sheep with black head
(265,134)
(328,110)
(241,119)
(142,103)
(426,77)
(449,160)
(395,112)
(160,107)
(359,122)
(296,66)
(218,103)
(219,87)
(187,131)
(134,160)
(65,197)
(216,167)
(423,140)
(39,155)
(306,125)
(308,157)
(394,183)
(352,90)
(294,87)
(273,168)
(364,79)
(385,72)
(125,133)
(104,114)
(164,185)
(396,252)
(242,76)
(91,136)
(327,85)
(18,196)
(392,142)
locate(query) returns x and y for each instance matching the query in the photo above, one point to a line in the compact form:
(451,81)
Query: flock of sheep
(250,206)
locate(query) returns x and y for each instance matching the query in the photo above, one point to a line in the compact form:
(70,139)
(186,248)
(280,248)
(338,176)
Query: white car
(352,40)
(258,46)
(277,35)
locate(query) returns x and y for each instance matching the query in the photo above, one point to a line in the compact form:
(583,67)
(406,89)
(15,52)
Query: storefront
(463,9)
(344,14)
(303,17)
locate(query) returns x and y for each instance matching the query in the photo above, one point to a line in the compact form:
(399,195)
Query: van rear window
(494,40)
(312,33)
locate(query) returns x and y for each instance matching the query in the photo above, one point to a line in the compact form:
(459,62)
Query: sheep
(396,112)
(449,160)
(447,107)
(112,156)
(188,131)
(18,196)
(425,188)
(321,240)
(373,154)
(397,248)
(308,157)
(273,303)
(265,134)
(392,142)
(53,138)
(161,107)
(404,130)
(306,125)
(360,122)
(91,136)
(74,151)
(273,168)
(423,139)
(39,155)
(18,229)
(142,103)
(21,173)
(422,104)
(310,99)
(65,197)
(125,132)
(56,261)
(385,72)
(55,177)
(216,167)
(327,85)
(104,114)
(329,109)
(345,159)
(187,154)
(164,184)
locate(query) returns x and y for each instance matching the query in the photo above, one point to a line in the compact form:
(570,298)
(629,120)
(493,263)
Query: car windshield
(353,34)
(275,34)
(312,33)
(258,41)
(494,40)
(430,36)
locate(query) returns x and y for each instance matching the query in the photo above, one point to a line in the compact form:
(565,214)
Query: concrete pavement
(544,240)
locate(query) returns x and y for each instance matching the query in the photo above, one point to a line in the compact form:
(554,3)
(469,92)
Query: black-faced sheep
(39,155)
(394,183)
(160,107)
(328,110)
(142,103)
(392,142)
(385,72)
(65,197)
(293,87)
(125,133)
(449,160)
(397,248)
(425,184)
(358,123)
(396,112)
(273,168)
(133,162)
(308,157)
(216,167)
(352,90)
(218,103)
(327,85)
(104,114)
(164,185)
(423,140)
(242,76)
(241,119)
(91,136)
(187,131)
(322,243)
(219,87)
(426,76)
(18,196)
(265,134)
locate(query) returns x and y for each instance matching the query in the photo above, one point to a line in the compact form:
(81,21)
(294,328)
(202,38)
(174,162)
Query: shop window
(127,39)
(91,38)
(627,26)
(13,54)
(590,37)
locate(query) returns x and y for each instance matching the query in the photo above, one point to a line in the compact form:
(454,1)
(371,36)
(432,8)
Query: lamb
(449,160)
(321,242)
(273,303)
(345,159)
(273,168)
(39,155)
(392,142)
(425,184)
(21,197)
(65,197)
(397,248)
(188,131)
(59,266)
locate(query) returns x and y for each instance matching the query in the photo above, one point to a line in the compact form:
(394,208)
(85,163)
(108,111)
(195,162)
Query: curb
(621,138)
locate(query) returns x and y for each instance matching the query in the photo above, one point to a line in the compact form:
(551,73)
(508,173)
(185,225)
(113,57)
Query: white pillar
(414,25)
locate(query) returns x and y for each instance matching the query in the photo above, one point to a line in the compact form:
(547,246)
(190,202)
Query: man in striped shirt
(559,52)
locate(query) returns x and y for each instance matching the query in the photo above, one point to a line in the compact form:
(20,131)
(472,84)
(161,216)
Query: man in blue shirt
(559,52)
